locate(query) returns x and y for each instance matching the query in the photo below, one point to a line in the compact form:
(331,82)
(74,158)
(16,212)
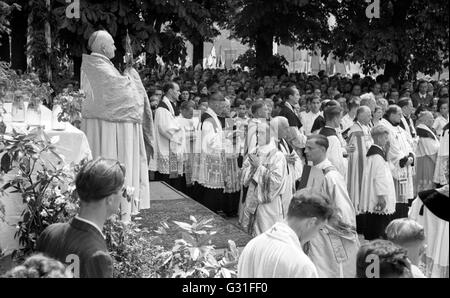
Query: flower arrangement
(44,181)
(71,106)
(136,253)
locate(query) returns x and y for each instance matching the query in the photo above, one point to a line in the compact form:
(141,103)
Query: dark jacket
(417,101)
(77,238)
(292,118)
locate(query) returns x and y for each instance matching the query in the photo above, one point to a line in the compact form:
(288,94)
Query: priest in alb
(336,151)
(117,118)
(170,139)
(401,157)
(334,250)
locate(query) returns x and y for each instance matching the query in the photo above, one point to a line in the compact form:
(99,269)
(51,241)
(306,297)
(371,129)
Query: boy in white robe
(377,187)
(278,252)
(442,159)
(334,250)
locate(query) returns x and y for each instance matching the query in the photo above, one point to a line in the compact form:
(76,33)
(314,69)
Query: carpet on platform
(169,205)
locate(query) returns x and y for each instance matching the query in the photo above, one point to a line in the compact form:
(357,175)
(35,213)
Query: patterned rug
(170,205)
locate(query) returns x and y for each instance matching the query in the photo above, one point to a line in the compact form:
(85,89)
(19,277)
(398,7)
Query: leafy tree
(156,27)
(409,36)
(289,22)
(277,63)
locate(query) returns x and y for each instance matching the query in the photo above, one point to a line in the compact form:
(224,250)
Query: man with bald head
(358,137)
(117,118)
(426,152)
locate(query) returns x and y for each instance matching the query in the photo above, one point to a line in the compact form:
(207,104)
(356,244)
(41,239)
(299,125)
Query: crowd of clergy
(323,172)
(375,158)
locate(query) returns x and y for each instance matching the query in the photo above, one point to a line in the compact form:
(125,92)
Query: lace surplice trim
(165,164)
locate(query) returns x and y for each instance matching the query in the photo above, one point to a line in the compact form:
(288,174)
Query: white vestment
(359,136)
(113,113)
(308,121)
(267,193)
(277,253)
(436,237)
(399,147)
(426,156)
(170,141)
(377,181)
(334,249)
(336,151)
(442,159)
(209,156)
(294,172)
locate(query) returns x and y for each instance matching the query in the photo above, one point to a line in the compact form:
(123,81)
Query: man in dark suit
(422,98)
(291,97)
(80,243)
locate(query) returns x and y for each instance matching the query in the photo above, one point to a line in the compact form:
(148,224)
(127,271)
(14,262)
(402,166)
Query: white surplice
(308,121)
(442,159)
(335,153)
(169,141)
(436,232)
(277,253)
(334,249)
(398,148)
(208,165)
(377,181)
(267,193)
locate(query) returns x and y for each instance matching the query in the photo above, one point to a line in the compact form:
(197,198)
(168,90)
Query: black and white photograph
(217,145)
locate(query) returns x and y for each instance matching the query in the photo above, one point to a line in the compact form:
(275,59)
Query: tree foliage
(5,10)
(409,36)
(300,22)
(156,27)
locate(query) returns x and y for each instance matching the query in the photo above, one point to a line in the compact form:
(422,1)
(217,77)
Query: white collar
(92,224)
(378,146)
(289,106)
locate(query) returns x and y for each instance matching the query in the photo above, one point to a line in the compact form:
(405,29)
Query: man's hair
(307,204)
(167,86)
(362,110)
(286,92)
(320,140)
(403,102)
(378,130)
(422,116)
(311,98)
(39,266)
(441,101)
(392,109)
(392,260)
(404,230)
(216,96)
(352,104)
(257,105)
(99,179)
(185,105)
(332,112)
